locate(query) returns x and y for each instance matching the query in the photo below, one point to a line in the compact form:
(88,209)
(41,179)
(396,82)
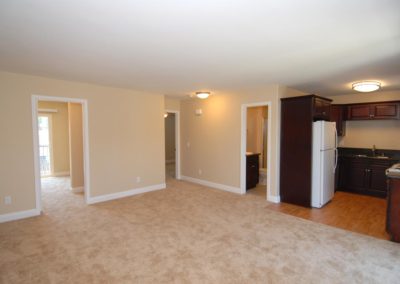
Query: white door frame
(85,126)
(243,143)
(177,142)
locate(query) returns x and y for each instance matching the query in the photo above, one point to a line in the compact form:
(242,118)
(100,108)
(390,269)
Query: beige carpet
(185,234)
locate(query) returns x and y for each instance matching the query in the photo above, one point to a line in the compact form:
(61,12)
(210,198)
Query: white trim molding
(77,189)
(85,128)
(122,194)
(213,184)
(274,198)
(61,174)
(19,215)
(47,110)
(243,147)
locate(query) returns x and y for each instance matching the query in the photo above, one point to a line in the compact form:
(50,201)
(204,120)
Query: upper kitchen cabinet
(338,115)
(383,110)
(322,108)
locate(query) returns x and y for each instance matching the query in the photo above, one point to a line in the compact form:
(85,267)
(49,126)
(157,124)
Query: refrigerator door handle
(336,150)
(336,138)
(336,160)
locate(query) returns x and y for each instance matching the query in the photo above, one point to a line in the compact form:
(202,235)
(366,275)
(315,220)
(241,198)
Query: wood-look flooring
(354,212)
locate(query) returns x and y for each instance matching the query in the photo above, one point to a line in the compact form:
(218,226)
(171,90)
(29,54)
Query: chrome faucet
(373,150)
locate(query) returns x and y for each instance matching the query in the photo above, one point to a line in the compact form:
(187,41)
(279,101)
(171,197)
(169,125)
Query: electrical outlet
(200,172)
(7,200)
(138,179)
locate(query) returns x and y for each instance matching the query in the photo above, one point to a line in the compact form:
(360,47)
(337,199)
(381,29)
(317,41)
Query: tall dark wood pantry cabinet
(297,116)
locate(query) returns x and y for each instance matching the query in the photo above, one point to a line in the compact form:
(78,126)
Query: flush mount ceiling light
(202,95)
(166,115)
(366,86)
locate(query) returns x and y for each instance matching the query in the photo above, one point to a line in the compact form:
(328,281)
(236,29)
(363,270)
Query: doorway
(172,144)
(54,128)
(255,148)
(45,144)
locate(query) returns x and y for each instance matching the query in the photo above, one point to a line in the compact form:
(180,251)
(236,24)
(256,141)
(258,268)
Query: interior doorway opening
(255,149)
(45,144)
(172,144)
(60,148)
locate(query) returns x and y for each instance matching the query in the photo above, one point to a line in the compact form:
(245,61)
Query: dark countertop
(394,160)
(362,153)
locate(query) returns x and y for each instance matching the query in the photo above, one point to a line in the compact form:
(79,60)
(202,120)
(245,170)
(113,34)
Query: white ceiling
(176,47)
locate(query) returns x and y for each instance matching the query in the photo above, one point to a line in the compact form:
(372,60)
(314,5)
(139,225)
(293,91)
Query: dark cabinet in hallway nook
(252,170)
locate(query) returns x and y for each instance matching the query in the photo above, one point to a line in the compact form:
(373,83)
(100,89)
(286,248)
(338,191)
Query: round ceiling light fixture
(366,86)
(202,95)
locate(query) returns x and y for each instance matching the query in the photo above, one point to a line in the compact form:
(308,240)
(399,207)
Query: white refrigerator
(324,162)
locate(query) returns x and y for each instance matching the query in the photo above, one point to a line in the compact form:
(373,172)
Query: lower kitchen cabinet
(393,209)
(363,175)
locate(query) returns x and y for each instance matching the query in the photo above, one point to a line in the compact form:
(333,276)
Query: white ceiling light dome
(202,95)
(366,86)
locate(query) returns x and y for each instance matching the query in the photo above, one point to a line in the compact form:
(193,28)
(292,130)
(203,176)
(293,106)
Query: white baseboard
(117,195)
(77,189)
(212,184)
(274,198)
(61,174)
(19,215)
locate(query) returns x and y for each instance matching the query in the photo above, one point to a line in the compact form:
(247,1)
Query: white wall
(76,144)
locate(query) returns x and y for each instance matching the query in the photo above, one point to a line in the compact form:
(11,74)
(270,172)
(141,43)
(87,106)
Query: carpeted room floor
(185,234)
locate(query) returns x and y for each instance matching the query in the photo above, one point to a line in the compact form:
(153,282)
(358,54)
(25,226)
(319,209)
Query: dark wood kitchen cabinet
(368,111)
(363,175)
(322,109)
(338,115)
(297,116)
(393,209)
(252,170)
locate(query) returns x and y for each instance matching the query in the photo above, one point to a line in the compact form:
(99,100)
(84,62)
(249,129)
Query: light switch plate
(7,200)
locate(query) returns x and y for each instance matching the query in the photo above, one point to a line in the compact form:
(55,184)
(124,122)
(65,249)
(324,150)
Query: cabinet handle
(323,112)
